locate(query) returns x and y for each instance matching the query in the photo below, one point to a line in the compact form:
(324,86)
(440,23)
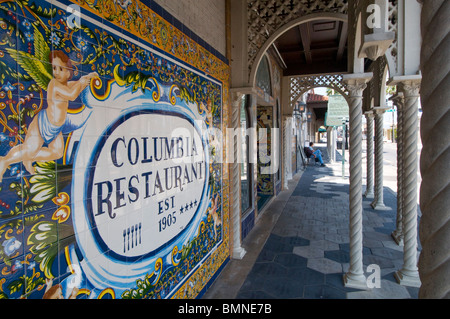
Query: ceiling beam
(283,64)
(343,32)
(306,40)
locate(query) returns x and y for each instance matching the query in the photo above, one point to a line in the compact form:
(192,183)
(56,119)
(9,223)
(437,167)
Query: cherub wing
(41,48)
(37,66)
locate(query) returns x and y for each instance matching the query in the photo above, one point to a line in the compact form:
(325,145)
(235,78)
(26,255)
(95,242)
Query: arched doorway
(320,116)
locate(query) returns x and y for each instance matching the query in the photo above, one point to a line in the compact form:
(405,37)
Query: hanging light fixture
(301,107)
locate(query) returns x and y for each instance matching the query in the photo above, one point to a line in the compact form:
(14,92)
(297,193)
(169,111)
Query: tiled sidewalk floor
(307,251)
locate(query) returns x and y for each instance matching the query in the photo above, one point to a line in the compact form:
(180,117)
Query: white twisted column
(356,83)
(369,141)
(434,261)
(237,251)
(397,234)
(286,156)
(378,203)
(409,274)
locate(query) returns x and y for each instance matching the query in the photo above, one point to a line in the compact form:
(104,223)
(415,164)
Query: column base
(398,238)
(407,280)
(355,281)
(238,253)
(369,195)
(379,206)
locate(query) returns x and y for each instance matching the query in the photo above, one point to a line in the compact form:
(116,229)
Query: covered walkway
(300,247)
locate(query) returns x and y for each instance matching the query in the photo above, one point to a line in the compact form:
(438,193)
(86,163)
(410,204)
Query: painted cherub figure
(214,214)
(47,126)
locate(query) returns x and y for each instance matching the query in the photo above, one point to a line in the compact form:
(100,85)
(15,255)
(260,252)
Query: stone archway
(269,19)
(256,57)
(298,85)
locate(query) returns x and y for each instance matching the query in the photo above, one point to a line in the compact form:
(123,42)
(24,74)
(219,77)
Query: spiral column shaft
(409,275)
(378,202)
(286,162)
(237,251)
(356,83)
(434,230)
(369,141)
(397,234)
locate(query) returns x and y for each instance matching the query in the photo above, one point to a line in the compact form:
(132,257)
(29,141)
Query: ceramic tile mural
(110,186)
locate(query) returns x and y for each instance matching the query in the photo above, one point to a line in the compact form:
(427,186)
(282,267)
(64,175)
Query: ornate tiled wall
(110,187)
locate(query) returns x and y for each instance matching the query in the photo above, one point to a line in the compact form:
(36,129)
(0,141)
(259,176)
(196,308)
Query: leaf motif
(35,68)
(41,49)
(15,286)
(43,237)
(44,195)
(45,167)
(43,233)
(41,178)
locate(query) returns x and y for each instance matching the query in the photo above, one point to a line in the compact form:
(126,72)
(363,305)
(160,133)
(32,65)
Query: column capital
(380,109)
(411,88)
(398,99)
(356,82)
(369,113)
(408,84)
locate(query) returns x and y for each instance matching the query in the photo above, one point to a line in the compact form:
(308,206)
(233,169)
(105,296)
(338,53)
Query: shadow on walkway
(300,246)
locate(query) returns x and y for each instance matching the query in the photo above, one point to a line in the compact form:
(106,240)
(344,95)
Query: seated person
(310,152)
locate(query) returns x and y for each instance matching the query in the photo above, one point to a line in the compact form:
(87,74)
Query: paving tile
(363,295)
(337,238)
(290,260)
(338,256)
(324,265)
(308,251)
(269,269)
(324,244)
(392,245)
(384,230)
(323,292)
(388,253)
(284,289)
(377,260)
(258,294)
(311,235)
(376,236)
(391,290)
(295,241)
(275,243)
(372,243)
(266,256)
(284,232)
(337,281)
(254,281)
(313,277)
